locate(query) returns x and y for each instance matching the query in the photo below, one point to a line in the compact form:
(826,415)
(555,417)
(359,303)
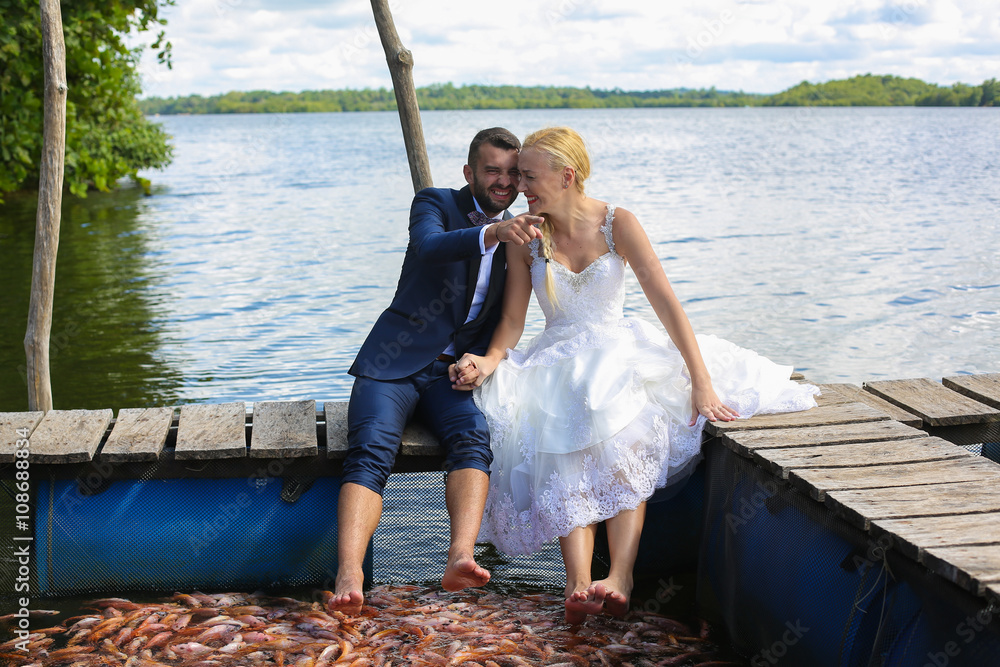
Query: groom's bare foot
(464,572)
(582,603)
(616,602)
(347,598)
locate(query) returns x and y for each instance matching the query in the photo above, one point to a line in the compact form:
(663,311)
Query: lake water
(853,243)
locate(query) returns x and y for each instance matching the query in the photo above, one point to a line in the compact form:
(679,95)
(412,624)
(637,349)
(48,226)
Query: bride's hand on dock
(466,374)
(519,230)
(706,402)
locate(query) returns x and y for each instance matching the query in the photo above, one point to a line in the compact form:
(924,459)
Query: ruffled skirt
(587,421)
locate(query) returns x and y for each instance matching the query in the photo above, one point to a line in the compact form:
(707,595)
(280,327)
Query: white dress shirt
(483,280)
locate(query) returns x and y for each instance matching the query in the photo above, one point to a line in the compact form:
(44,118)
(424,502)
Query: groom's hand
(519,230)
(464,373)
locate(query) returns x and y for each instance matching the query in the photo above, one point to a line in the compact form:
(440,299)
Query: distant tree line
(870,90)
(864,90)
(444,97)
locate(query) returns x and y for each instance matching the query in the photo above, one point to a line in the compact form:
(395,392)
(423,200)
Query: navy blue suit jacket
(435,291)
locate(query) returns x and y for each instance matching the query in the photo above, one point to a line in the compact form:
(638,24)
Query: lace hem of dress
(605,480)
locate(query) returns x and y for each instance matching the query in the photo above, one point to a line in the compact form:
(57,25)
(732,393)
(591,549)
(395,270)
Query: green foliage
(991,93)
(107,136)
(877,91)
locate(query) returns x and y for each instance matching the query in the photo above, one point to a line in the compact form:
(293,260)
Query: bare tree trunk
(50,185)
(400,68)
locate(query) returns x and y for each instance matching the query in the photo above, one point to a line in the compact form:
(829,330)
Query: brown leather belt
(446,358)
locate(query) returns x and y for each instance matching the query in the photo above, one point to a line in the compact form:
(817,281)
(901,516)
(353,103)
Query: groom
(447,303)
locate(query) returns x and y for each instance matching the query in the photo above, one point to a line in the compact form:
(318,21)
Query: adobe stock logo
(697,44)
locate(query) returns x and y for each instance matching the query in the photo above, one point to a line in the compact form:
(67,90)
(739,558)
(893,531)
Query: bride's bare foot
(464,573)
(616,602)
(588,601)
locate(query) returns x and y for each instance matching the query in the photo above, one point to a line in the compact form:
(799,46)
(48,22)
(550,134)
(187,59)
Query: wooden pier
(882,457)
(168,442)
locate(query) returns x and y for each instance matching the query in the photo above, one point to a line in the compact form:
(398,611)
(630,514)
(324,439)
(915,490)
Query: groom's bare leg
(465,497)
(358,512)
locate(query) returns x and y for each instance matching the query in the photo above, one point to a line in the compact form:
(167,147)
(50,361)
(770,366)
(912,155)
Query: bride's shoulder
(620,217)
(626,232)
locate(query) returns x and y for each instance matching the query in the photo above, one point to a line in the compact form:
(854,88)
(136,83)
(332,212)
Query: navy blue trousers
(380,409)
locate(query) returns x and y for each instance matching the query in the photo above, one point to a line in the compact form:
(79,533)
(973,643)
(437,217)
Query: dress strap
(533,248)
(606,227)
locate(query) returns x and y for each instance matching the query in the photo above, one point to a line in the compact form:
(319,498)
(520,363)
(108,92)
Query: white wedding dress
(591,416)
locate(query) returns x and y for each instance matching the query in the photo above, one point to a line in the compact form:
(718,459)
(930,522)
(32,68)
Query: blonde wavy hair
(564,148)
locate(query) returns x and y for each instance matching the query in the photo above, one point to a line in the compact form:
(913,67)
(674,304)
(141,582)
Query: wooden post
(400,68)
(50,185)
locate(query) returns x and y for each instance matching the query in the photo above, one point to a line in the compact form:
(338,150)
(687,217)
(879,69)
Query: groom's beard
(491,205)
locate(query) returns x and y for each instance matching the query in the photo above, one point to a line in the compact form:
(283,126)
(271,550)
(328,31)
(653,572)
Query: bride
(599,410)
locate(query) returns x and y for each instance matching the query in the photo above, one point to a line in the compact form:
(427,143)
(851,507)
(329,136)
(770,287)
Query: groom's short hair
(495,136)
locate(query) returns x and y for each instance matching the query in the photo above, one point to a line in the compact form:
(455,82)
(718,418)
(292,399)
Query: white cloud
(222,45)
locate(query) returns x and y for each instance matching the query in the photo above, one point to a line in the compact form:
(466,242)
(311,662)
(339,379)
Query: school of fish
(399,625)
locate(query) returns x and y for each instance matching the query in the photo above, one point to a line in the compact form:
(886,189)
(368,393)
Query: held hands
(469,372)
(704,401)
(519,230)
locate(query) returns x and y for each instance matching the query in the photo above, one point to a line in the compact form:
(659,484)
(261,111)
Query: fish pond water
(853,243)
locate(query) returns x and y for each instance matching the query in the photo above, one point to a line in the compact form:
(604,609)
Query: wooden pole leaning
(400,62)
(50,185)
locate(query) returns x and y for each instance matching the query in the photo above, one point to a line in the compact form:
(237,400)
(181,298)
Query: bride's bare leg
(578,552)
(624,531)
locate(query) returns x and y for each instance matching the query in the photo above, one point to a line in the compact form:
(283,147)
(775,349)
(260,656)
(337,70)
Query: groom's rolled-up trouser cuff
(379,410)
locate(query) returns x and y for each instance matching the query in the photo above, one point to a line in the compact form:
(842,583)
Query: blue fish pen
(184,534)
(792,583)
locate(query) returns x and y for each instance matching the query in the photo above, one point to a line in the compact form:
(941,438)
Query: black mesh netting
(411,543)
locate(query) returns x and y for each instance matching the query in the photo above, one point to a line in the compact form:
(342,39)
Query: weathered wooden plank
(983,388)
(417,440)
(69,436)
(211,431)
(862,506)
(972,567)
(139,435)
(283,429)
(934,403)
(10,424)
(818,481)
(852,392)
(828,414)
(831,396)
(781,461)
(745,443)
(335,415)
(912,536)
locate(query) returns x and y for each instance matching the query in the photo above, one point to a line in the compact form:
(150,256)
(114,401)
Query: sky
(756,46)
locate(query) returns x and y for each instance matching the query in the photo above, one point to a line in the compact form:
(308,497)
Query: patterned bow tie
(479,219)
